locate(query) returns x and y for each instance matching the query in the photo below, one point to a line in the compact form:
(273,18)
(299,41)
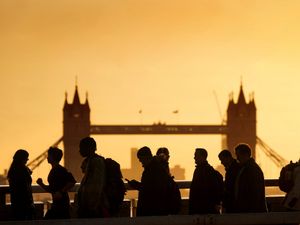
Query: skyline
(109,139)
(154,56)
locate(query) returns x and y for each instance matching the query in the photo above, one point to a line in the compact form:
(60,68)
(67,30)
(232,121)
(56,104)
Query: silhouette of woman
(19,178)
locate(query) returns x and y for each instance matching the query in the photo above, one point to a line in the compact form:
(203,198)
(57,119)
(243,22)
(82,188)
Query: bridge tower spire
(76,125)
(241,122)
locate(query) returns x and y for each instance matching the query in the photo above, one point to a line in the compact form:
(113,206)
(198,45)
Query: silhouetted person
(292,199)
(174,195)
(19,178)
(232,168)
(92,200)
(153,188)
(164,155)
(206,187)
(60,182)
(250,189)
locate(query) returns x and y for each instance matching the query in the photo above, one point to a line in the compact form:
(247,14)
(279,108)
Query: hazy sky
(151,55)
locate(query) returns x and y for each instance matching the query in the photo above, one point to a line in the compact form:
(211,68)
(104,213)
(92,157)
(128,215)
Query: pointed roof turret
(66,98)
(251,101)
(231,101)
(241,99)
(86,104)
(66,104)
(76,99)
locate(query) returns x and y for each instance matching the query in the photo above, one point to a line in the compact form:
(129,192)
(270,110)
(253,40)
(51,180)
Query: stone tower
(241,122)
(76,125)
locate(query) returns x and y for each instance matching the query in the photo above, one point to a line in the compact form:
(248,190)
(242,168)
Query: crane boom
(274,156)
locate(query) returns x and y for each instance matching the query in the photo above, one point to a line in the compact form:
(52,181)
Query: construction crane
(38,160)
(274,156)
(222,117)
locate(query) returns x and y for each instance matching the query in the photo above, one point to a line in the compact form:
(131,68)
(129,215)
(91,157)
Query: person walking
(153,188)
(249,185)
(92,199)
(174,195)
(232,168)
(206,187)
(60,182)
(19,179)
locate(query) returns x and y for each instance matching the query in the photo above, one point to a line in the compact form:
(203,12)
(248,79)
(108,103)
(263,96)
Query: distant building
(76,120)
(241,122)
(3,179)
(178,172)
(136,169)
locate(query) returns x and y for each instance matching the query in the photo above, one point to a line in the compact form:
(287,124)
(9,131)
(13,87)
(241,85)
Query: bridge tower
(76,125)
(241,122)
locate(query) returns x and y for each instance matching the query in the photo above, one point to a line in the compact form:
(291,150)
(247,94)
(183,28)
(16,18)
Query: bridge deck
(158,129)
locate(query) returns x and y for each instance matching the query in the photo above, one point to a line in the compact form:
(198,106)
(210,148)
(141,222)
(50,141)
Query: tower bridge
(240,126)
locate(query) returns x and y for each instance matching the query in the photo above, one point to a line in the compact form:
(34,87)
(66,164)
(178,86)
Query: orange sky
(153,55)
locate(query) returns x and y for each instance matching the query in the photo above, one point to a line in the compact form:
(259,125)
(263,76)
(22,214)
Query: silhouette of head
(200,155)
(20,156)
(163,153)
(144,155)
(54,155)
(225,157)
(87,146)
(20,159)
(243,152)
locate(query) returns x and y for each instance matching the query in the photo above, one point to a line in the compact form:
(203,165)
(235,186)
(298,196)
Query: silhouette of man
(206,189)
(250,189)
(174,195)
(153,188)
(164,155)
(92,200)
(60,182)
(232,168)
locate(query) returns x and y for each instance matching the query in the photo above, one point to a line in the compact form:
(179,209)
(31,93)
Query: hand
(39,181)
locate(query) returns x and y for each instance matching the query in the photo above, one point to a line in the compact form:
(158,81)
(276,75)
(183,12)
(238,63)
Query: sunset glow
(149,55)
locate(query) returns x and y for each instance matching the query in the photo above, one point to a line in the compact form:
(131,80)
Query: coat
(92,201)
(21,192)
(205,191)
(249,190)
(229,185)
(153,191)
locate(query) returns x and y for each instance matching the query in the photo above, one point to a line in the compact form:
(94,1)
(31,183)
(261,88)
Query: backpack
(115,188)
(286,180)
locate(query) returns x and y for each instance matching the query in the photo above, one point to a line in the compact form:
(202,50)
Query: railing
(129,205)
